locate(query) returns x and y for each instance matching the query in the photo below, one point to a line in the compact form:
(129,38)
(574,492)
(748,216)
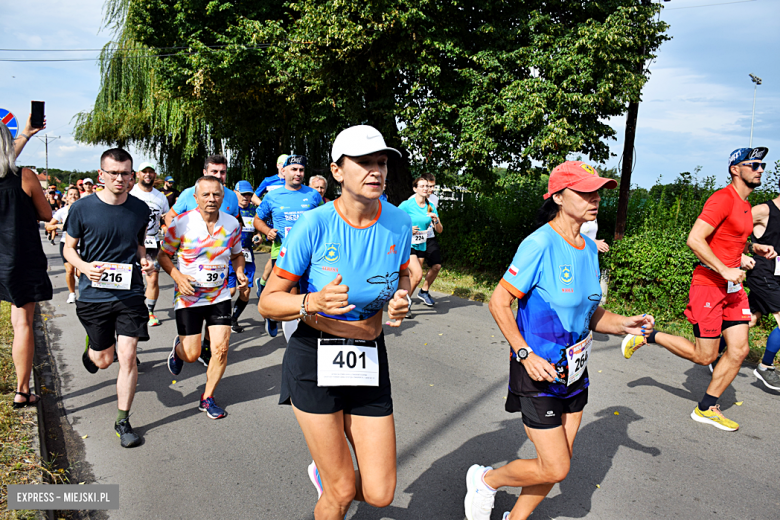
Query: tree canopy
(461,86)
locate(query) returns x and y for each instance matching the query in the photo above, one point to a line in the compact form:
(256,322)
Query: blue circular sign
(9,120)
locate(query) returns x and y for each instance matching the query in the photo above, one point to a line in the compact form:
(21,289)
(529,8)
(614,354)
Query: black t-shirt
(111,234)
(171,194)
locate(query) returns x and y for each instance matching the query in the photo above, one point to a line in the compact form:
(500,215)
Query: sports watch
(522,354)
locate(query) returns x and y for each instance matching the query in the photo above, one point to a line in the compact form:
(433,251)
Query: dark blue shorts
(249,270)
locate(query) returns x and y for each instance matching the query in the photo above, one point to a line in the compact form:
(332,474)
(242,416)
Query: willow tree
(458,86)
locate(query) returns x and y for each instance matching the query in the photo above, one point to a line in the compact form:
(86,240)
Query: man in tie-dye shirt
(206,240)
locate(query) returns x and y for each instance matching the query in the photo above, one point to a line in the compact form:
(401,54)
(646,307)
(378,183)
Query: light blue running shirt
(419,218)
(186,202)
(285,207)
(323,245)
(558,290)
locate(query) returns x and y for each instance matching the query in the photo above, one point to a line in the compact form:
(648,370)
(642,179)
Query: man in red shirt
(717,302)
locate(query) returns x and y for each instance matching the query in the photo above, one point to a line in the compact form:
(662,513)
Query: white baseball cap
(359,140)
(88,181)
(145,165)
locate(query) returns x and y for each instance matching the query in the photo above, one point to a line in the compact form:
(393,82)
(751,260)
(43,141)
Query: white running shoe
(314,476)
(72,298)
(479,498)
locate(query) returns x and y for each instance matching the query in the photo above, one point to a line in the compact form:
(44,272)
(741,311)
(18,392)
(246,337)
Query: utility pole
(755,79)
(45,140)
(628,162)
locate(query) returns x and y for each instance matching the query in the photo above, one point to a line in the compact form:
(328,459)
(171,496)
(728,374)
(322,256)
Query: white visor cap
(359,140)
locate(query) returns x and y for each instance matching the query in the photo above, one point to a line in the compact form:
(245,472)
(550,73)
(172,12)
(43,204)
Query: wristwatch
(522,354)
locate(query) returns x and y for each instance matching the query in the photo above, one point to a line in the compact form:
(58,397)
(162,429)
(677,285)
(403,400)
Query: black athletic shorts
(104,321)
(299,381)
(432,253)
(544,413)
(764,294)
(189,321)
(62,248)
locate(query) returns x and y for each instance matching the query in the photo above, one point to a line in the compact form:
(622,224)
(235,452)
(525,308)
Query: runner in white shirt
(158,205)
(58,223)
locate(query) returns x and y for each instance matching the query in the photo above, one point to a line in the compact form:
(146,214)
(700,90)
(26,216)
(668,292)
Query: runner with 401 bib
(350,258)
(555,278)
(206,240)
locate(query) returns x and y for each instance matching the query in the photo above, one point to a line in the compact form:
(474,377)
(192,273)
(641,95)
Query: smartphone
(37,114)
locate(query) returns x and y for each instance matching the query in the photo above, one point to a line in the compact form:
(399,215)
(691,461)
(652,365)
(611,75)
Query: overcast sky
(696,107)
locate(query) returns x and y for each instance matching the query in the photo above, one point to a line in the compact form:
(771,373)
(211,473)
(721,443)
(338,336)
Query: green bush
(651,272)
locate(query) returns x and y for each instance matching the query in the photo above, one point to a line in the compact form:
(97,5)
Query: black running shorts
(189,321)
(299,381)
(544,413)
(764,294)
(432,253)
(104,321)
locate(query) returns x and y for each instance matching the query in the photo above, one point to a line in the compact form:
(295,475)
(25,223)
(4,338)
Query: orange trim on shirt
(512,289)
(406,265)
(567,240)
(281,273)
(336,205)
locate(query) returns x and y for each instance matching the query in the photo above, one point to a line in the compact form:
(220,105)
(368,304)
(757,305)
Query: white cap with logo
(359,140)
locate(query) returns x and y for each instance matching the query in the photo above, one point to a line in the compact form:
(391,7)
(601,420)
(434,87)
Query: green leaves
(459,85)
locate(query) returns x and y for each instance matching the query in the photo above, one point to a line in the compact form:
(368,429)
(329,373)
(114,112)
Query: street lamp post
(755,79)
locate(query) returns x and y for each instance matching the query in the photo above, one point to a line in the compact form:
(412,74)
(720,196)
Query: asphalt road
(637,455)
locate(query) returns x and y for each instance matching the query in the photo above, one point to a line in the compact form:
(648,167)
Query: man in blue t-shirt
(285,206)
(215,166)
(247,210)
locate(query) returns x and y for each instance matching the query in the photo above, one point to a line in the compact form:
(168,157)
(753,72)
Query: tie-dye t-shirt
(202,256)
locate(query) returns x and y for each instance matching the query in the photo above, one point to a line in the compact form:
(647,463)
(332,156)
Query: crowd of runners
(337,265)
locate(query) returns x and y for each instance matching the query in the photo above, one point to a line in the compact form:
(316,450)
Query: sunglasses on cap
(755,165)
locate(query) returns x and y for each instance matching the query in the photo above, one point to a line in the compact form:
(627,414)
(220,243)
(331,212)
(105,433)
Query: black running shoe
(205,354)
(91,367)
(235,327)
(127,437)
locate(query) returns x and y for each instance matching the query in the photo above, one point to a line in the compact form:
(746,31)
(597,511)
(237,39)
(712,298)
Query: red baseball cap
(577,176)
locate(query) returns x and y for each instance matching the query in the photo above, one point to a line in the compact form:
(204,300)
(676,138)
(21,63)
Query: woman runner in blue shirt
(555,278)
(349,258)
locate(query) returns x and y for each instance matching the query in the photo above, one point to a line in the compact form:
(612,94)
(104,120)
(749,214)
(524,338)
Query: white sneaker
(479,497)
(72,298)
(314,476)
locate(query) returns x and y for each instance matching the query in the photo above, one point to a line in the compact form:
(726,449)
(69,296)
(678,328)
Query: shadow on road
(694,387)
(595,446)
(439,491)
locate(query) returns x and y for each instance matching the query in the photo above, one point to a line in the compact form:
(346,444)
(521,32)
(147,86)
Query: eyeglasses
(755,165)
(117,174)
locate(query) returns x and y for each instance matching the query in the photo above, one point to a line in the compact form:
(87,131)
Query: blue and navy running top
(323,245)
(558,290)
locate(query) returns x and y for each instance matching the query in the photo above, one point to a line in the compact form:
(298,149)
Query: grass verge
(20,463)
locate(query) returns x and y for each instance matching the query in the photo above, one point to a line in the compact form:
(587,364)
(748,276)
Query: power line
(164,55)
(707,5)
(260,46)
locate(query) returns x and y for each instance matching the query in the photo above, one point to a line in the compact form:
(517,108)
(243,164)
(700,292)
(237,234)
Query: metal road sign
(9,120)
